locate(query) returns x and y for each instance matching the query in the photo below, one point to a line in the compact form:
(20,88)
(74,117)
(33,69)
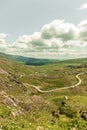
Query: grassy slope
(34,109)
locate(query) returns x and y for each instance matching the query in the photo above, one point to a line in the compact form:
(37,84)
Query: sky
(44,28)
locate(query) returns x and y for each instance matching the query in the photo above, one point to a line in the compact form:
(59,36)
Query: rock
(55,114)
(3,71)
(3,93)
(40,128)
(8,101)
(63,103)
(65,98)
(14,113)
(84,115)
(74,129)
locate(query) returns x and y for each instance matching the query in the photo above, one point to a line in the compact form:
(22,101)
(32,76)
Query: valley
(49,91)
(47,97)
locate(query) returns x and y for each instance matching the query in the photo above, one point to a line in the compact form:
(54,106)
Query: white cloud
(83,23)
(57,39)
(83,6)
(59,29)
(83,30)
(3,45)
(2,38)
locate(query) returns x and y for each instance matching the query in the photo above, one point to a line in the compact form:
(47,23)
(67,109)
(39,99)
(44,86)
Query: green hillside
(22,107)
(29,60)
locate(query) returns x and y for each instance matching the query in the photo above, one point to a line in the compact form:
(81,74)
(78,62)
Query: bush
(68,111)
(79,123)
(4,111)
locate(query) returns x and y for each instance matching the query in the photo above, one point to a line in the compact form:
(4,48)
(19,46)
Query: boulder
(84,115)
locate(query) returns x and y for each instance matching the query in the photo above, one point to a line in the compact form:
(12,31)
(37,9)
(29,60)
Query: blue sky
(20,19)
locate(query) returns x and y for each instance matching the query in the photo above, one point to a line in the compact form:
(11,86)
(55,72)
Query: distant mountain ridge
(28,60)
(39,62)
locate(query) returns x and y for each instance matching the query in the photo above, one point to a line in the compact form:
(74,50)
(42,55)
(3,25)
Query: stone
(84,115)
(40,128)
(74,129)
(66,97)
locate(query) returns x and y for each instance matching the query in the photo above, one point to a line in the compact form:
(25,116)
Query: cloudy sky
(44,28)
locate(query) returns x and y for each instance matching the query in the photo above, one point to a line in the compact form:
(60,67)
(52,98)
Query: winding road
(48,91)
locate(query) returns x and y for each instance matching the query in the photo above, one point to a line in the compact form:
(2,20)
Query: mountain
(24,107)
(34,61)
(28,60)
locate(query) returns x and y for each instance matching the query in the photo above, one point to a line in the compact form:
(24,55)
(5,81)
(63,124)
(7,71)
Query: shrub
(4,111)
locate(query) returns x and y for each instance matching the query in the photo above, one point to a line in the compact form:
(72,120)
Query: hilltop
(23,107)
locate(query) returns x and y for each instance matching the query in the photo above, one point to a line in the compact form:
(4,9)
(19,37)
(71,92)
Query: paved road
(48,91)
